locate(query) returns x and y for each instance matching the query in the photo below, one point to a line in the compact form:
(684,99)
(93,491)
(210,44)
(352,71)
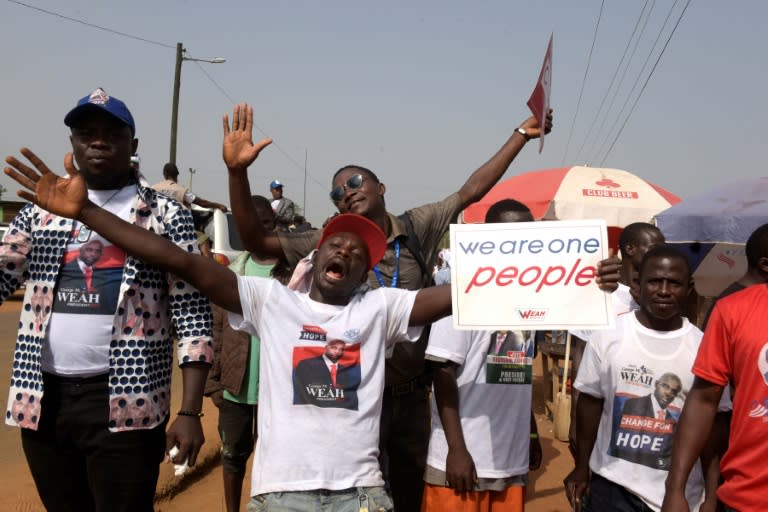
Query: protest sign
(529,275)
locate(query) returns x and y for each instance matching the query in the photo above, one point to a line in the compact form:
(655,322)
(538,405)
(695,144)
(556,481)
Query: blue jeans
(346,500)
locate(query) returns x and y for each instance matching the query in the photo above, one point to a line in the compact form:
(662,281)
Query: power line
(621,82)
(584,81)
(613,79)
(255,125)
(172,46)
(646,81)
(97,27)
(637,80)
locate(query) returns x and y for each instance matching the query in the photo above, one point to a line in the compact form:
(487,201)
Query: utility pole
(180,57)
(175,108)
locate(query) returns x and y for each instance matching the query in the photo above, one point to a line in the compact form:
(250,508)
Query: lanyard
(380,278)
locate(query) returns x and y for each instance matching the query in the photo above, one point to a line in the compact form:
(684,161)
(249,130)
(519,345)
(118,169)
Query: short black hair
(632,232)
(497,209)
(757,246)
(261,203)
(364,170)
(170,169)
(665,251)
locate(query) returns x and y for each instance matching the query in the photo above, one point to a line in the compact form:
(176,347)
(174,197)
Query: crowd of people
(331,353)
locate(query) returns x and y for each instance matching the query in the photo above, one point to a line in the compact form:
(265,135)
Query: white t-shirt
(86,295)
(634,441)
(494,410)
(313,434)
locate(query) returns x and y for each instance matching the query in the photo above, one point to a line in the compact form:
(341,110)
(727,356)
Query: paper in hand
(539,100)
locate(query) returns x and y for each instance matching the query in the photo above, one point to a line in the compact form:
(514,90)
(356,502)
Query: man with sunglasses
(405,423)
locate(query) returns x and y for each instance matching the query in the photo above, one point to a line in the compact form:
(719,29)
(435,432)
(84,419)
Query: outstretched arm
(485,177)
(693,430)
(69,198)
(199,201)
(431,304)
(239,153)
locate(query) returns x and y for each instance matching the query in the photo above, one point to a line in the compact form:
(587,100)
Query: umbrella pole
(563,401)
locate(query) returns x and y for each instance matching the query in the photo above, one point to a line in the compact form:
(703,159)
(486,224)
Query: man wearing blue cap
(283,207)
(308,456)
(91,389)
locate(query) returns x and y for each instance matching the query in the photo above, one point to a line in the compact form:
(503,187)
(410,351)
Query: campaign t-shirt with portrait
(735,350)
(314,434)
(494,386)
(643,376)
(87,294)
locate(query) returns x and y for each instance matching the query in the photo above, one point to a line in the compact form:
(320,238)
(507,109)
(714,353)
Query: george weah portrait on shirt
(327,375)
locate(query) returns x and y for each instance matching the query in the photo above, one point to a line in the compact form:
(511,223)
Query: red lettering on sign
(533,276)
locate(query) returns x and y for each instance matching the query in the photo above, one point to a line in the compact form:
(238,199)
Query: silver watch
(522,132)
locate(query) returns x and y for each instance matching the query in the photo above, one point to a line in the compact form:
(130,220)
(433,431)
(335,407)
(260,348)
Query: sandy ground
(201,488)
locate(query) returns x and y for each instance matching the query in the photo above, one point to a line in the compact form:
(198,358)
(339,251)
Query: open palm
(239,151)
(62,196)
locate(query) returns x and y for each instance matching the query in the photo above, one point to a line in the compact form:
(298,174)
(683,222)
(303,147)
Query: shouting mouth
(335,271)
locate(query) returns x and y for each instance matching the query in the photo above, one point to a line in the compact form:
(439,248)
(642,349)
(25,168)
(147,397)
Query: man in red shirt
(734,350)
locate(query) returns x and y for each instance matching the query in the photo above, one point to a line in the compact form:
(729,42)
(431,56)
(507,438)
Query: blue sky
(420,92)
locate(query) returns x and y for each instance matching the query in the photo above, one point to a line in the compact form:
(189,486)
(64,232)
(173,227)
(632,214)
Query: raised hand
(61,196)
(238,149)
(532,128)
(608,274)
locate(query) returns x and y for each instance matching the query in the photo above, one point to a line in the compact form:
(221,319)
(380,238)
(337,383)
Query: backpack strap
(414,246)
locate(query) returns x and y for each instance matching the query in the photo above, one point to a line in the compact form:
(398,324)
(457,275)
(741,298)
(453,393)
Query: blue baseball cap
(275,184)
(100,100)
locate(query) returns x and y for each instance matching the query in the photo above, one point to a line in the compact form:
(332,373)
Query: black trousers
(606,496)
(79,465)
(405,429)
(237,429)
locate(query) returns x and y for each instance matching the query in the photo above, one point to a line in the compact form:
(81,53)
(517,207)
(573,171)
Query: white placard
(529,275)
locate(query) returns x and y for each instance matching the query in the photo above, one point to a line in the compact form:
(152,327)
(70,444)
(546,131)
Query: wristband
(534,435)
(190,413)
(524,133)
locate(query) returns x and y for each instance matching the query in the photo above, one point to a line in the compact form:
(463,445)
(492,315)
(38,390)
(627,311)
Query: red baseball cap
(367,230)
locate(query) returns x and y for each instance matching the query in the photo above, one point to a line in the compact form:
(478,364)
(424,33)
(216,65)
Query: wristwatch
(522,132)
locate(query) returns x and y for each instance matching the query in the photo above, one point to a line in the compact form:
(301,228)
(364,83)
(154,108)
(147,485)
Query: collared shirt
(150,302)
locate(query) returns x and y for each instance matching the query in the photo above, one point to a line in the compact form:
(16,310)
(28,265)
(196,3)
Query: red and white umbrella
(572,193)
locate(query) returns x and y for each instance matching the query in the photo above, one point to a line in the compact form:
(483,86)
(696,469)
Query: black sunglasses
(353,183)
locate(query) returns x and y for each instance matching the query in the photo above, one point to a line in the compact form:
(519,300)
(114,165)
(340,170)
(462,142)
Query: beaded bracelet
(190,413)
